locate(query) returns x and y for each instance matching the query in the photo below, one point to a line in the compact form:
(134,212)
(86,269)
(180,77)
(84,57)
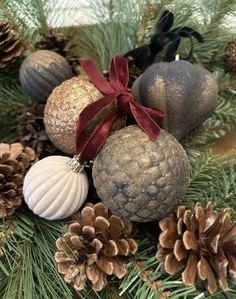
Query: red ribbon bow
(114,90)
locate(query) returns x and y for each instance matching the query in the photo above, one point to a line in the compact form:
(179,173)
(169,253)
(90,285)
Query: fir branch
(215,127)
(227,85)
(29,259)
(110,36)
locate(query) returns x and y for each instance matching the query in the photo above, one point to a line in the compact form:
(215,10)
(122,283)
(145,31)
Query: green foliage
(27,267)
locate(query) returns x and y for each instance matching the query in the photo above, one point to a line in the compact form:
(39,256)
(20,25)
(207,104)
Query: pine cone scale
(190,272)
(171,264)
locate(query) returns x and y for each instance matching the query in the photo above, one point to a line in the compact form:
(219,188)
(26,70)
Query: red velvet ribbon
(115,90)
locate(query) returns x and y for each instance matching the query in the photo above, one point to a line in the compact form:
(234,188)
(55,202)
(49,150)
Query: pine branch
(29,259)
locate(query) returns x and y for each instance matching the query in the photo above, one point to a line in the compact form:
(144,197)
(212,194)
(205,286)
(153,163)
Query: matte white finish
(52,190)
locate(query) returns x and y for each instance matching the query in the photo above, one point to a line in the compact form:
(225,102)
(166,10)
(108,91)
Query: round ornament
(41,72)
(55,187)
(63,108)
(187,94)
(140,179)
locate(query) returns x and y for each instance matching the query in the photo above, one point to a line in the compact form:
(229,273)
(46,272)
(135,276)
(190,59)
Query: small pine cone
(230,52)
(200,242)
(32,133)
(11,45)
(15,160)
(94,247)
(59,43)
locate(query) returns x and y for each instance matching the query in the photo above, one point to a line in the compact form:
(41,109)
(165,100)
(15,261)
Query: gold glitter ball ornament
(139,179)
(63,108)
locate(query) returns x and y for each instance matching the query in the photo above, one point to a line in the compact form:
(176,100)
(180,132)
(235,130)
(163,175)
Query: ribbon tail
(144,120)
(92,110)
(90,147)
(119,73)
(155,113)
(95,76)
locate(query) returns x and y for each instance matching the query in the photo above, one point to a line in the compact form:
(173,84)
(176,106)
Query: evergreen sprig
(27,267)
(27,243)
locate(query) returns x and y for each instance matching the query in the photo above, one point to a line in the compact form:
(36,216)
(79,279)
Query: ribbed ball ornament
(140,179)
(55,187)
(186,92)
(41,72)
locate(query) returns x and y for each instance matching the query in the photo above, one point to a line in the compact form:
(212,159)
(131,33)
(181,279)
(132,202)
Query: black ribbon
(145,55)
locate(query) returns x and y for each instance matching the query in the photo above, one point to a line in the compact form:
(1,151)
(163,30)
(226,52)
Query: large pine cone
(200,242)
(230,52)
(94,247)
(15,160)
(11,45)
(32,133)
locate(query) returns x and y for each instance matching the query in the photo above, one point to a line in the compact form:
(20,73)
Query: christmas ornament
(94,247)
(41,72)
(230,52)
(32,133)
(187,94)
(116,92)
(55,187)
(145,55)
(15,160)
(63,110)
(202,244)
(59,43)
(11,46)
(140,179)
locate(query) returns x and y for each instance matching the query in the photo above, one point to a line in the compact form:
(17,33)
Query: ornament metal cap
(75,164)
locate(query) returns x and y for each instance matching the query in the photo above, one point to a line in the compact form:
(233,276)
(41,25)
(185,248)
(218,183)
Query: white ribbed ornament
(55,187)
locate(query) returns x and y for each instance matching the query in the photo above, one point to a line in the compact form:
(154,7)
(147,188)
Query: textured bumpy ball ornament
(187,94)
(140,179)
(64,107)
(55,187)
(41,72)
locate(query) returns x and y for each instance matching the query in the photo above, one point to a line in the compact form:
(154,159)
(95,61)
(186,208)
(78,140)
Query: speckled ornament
(187,93)
(64,107)
(140,179)
(41,72)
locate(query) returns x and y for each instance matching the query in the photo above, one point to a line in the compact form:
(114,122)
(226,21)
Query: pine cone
(14,162)
(32,133)
(11,46)
(58,42)
(230,52)
(202,243)
(94,247)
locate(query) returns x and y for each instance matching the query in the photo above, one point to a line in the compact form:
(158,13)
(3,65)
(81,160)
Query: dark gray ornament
(140,179)
(187,94)
(41,72)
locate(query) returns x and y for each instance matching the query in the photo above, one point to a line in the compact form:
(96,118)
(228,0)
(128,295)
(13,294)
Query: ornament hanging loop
(75,164)
(177,57)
